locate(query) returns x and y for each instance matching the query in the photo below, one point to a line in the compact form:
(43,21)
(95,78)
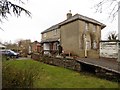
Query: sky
(46,13)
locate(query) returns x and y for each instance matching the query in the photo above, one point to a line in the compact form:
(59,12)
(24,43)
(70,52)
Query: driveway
(108,64)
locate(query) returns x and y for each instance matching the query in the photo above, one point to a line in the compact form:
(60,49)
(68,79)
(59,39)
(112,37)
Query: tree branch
(111,6)
(7,7)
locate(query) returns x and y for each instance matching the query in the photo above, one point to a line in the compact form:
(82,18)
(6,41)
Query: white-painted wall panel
(109,49)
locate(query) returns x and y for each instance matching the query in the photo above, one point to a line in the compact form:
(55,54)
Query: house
(109,49)
(78,34)
(35,47)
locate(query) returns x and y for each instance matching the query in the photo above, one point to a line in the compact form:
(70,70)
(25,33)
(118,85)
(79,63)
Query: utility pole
(118,42)
(118,32)
(0,70)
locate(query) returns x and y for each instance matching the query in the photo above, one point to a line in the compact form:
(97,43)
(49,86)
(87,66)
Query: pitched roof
(50,40)
(73,18)
(51,28)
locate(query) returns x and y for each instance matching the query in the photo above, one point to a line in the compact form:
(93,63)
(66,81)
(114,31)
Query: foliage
(5,58)
(112,36)
(48,76)
(14,77)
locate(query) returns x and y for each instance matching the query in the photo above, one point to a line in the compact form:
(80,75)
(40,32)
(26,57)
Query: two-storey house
(77,34)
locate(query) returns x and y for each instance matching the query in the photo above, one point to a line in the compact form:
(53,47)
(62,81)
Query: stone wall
(76,66)
(61,62)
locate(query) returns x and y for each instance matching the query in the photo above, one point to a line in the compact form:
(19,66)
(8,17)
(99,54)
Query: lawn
(47,76)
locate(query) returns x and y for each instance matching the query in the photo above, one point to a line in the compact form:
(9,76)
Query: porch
(50,47)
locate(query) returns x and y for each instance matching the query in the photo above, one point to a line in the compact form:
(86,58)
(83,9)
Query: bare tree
(110,6)
(7,7)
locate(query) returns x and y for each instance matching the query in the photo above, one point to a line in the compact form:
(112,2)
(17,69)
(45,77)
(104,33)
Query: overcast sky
(46,13)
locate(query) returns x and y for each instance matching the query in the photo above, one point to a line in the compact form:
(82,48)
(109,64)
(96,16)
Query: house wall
(109,49)
(95,36)
(72,39)
(35,47)
(81,42)
(51,34)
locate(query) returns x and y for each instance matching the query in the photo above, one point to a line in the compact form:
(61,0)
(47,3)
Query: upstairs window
(45,35)
(55,32)
(86,26)
(94,28)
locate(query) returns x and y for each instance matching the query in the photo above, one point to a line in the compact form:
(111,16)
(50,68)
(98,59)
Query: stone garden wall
(61,62)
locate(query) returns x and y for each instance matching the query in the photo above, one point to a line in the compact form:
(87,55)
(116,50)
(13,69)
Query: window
(88,46)
(87,43)
(45,34)
(55,32)
(86,26)
(94,28)
(94,44)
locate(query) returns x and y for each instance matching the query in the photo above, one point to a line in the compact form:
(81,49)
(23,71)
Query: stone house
(78,34)
(109,49)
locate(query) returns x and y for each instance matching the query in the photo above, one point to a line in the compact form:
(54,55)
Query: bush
(17,78)
(4,58)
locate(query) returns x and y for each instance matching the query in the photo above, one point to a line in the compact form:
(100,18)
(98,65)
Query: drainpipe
(85,46)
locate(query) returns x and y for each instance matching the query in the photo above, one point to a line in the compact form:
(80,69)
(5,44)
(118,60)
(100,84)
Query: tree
(112,36)
(110,6)
(23,46)
(7,7)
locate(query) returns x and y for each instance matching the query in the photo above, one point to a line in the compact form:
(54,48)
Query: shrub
(17,78)
(4,58)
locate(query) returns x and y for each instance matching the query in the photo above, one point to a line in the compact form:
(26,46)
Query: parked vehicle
(10,53)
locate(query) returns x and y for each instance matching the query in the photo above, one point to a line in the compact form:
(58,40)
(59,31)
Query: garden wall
(62,62)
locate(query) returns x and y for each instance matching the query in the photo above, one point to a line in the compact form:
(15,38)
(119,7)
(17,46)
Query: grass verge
(47,76)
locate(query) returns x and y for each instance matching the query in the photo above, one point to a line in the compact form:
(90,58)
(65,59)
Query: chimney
(69,15)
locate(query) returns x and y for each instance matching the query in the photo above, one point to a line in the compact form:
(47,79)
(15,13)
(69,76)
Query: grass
(56,77)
